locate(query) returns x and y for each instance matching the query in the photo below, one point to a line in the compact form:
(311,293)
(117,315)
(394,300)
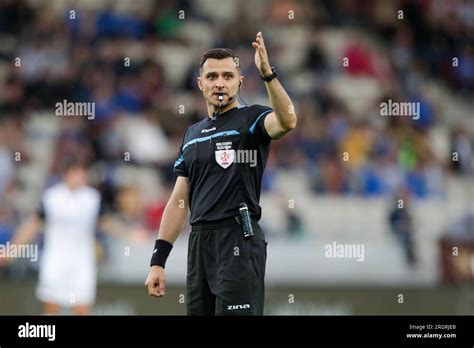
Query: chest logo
(225,157)
(208,130)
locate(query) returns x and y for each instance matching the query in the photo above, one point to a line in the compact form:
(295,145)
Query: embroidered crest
(225,157)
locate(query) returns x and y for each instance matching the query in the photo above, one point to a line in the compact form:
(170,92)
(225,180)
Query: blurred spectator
(294,227)
(463,227)
(401,224)
(8,169)
(128,223)
(465,70)
(359,60)
(144,139)
(462,153)
(357,144)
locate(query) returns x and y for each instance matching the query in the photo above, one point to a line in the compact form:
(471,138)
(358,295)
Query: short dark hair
(219,53)
(72,162)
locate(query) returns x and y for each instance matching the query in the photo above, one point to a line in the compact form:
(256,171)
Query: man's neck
(211,109)
(72,187)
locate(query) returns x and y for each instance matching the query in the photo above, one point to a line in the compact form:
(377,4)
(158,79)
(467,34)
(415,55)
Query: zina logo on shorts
(238,306)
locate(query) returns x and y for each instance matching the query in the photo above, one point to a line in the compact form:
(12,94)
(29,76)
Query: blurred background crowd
(138,62)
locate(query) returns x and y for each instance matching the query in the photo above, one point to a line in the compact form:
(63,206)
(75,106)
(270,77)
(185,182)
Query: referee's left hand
(261,56)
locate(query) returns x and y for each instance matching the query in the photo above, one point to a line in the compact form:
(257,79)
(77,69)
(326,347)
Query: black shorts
(225,271)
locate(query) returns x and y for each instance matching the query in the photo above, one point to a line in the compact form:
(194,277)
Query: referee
(215,178)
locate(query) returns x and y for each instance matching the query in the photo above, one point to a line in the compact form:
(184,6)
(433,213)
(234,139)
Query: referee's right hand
(155,282)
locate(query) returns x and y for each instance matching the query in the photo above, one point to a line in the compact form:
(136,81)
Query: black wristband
(160,252)
(270,77)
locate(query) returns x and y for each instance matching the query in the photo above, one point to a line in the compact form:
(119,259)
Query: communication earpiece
(231,99)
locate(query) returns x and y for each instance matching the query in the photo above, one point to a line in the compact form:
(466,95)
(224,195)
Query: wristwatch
(270,77)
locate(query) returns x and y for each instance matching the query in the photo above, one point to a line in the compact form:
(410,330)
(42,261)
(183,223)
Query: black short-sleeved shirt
(224,159)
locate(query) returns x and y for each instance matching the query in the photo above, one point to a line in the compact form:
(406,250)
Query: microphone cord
(240,99)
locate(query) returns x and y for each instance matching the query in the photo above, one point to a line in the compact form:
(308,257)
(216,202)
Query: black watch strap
(269,77)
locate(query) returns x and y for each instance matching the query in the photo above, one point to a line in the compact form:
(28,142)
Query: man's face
(219,76)
(76,177)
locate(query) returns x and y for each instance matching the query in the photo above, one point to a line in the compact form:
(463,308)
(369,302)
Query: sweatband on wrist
(161,252)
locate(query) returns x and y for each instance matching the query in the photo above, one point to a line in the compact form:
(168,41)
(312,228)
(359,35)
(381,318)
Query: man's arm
(172,222)
(28,231)
(283,118)
(176,211)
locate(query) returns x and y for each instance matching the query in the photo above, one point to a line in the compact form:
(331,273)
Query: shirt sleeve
(257,123)
(180,165)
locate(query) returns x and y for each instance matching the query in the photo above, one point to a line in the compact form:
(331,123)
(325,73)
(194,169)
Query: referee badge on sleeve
(225,157)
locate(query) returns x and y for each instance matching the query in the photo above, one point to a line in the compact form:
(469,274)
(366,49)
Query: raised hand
(261,56)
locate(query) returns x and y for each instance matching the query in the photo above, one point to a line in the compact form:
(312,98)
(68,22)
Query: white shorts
(68,282)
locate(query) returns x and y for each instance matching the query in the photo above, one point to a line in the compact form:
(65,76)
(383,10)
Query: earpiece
(231,99)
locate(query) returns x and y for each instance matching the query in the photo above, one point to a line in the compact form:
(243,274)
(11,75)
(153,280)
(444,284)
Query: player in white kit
(67,273)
